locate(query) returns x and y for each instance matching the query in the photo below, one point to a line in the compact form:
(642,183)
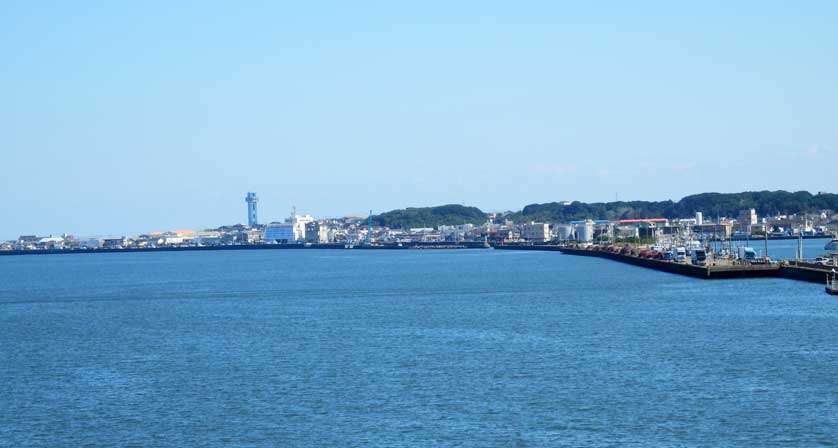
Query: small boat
(832,245)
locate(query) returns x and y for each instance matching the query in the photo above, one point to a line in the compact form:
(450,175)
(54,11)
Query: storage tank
(585,231)
(564,231)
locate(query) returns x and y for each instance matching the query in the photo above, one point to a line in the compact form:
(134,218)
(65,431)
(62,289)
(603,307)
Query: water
(407,348)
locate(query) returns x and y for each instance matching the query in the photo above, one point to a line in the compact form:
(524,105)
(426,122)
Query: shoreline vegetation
(766,203)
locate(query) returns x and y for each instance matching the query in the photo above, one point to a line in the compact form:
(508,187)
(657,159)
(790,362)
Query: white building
(280,233)
(536,232)
(300,222)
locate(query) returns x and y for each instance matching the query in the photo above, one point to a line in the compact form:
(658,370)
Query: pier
(713,271)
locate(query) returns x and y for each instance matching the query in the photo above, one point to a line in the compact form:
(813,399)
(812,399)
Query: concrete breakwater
(335,246)
(804,272)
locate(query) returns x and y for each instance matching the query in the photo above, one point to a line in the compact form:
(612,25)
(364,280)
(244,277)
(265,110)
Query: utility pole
(800,245)
(766,243)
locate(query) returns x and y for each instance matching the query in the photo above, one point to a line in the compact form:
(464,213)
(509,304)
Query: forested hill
(711,204)
(430,217)
(766,203)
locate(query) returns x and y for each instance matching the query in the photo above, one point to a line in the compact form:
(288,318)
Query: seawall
(808,272)
(334,246)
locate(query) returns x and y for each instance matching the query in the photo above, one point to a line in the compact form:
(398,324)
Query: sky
(129,117)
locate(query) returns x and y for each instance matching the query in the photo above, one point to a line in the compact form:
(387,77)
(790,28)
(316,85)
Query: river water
(467,348)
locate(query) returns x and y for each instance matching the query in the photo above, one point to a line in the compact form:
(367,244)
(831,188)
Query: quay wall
(803,273)
(665,266)
(808,273)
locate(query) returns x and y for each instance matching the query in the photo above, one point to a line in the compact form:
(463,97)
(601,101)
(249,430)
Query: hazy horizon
(129,118)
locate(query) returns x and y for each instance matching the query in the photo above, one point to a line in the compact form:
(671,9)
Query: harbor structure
(252,218)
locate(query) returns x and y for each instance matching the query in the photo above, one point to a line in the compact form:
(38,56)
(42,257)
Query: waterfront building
(455,232)
(173,239)
(502,236)
(316,233)
(699,218)
(207,238)
(27,241)
(251,200)
(536,232)
(51,242)
(114,242)
(91,243)
(280,233)
(300,222)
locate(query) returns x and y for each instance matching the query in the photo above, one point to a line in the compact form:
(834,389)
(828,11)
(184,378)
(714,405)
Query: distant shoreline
(333,246)
(330,246)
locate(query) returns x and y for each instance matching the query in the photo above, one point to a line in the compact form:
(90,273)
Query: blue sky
(120,117)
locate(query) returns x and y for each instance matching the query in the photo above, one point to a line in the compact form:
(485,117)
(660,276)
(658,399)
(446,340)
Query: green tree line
(412,217)
(766,203)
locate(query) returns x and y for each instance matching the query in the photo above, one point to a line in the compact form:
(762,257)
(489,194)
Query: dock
(794,271)
(710,272)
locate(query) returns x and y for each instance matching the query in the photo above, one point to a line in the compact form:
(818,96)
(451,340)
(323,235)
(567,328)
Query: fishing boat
(832,245)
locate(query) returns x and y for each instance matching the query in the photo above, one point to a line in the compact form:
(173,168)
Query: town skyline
(254,217)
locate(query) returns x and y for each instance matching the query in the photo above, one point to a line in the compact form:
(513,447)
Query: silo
(585,231)
(565,231)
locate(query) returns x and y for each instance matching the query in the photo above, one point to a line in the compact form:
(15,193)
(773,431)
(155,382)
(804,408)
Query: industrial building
(536,232)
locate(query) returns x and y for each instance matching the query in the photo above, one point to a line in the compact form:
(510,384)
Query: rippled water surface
(407,348)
